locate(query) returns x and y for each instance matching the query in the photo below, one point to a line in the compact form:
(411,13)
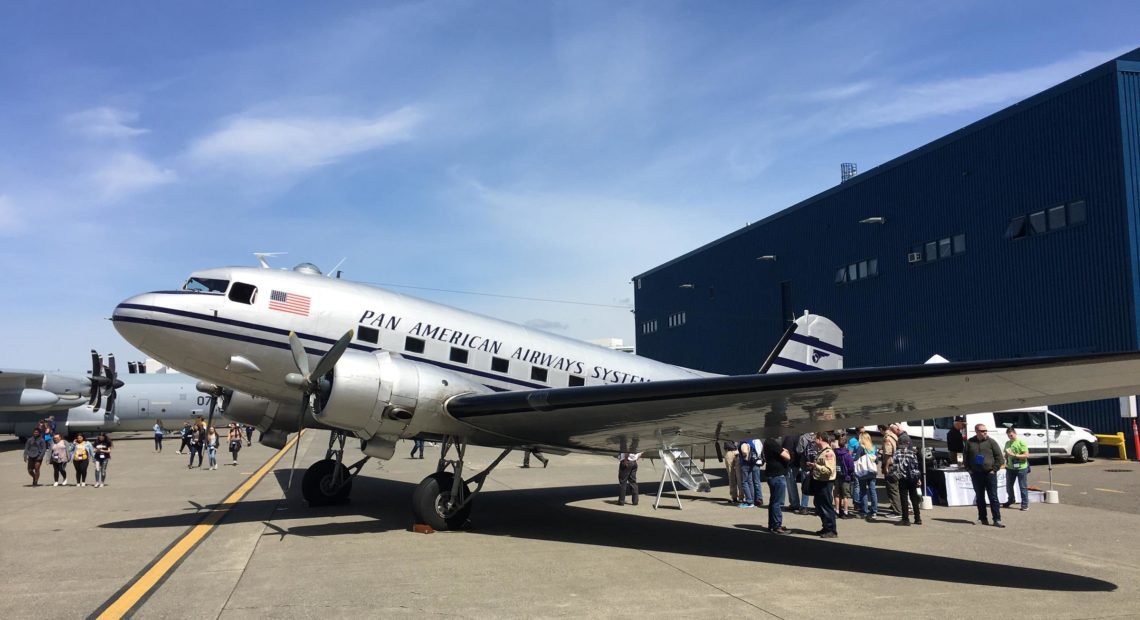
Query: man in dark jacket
(984,458)
(956,439)
(34,450)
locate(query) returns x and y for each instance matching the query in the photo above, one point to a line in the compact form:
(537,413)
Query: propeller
(104,382)
(311,383)
(216,392)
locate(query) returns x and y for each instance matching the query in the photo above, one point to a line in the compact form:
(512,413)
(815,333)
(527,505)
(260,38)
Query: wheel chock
(422,528)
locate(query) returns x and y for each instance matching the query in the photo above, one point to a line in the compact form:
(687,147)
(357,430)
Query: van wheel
(1081,452)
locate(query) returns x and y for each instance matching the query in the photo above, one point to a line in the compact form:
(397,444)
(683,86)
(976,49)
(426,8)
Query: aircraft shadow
(548,514)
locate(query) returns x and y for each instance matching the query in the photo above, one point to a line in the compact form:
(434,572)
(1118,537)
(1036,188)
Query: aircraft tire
(428,498)
(1081,452)
(314,486)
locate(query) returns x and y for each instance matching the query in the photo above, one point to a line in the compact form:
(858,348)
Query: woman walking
(234,438)
(34,451)
(81,455)
(102,458)
(60,455)
(212,447)
(158,433)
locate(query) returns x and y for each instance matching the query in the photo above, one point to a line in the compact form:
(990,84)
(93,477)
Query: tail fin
(812,342)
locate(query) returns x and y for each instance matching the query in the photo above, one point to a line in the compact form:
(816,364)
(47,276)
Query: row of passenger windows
(937,250)
(462,356)
(1046,220)
(857,271)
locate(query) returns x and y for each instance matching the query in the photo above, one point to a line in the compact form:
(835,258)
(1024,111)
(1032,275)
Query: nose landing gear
(443,499)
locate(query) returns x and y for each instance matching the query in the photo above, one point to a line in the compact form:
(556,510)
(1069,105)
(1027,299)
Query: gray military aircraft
(100,401)
(380,366)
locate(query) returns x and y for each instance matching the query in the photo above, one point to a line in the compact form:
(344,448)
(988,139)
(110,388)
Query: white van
(1063,438)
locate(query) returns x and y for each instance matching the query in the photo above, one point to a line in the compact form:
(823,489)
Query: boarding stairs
(680,467)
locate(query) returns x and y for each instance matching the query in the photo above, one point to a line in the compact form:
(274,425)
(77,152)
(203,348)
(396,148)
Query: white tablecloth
(960,490)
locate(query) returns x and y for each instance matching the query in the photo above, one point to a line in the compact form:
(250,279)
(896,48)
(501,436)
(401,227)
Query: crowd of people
(838,473)
(49,445)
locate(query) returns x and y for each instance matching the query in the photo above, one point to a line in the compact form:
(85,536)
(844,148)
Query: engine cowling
(382,397)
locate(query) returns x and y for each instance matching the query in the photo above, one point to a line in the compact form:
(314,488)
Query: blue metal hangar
(1016,236)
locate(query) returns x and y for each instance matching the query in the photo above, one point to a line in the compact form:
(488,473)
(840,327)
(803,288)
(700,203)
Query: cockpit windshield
(206,285)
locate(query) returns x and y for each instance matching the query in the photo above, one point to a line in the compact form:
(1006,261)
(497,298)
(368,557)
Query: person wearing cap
(956,439)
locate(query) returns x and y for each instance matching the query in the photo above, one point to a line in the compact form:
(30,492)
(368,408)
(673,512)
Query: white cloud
(105,122)
(285,144)
(10,221)
(546,325)
(127,173)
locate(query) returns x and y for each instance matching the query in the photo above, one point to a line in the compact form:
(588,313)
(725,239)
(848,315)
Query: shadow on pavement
(549,514)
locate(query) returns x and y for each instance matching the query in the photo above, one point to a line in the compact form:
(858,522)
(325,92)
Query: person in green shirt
(1017,468)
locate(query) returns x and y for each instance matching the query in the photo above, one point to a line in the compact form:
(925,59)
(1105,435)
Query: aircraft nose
(133,318)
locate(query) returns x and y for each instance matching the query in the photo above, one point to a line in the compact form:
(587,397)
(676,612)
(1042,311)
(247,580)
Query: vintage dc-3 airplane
(381,366)
(99,401)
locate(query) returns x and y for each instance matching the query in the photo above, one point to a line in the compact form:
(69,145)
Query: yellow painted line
(148,580)
(1110,491)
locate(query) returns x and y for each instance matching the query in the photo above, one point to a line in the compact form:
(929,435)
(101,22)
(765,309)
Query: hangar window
(576,381)
(368,334)
(499,364)
(855,271)
(841,275)
(243,293)
(677,319)
(932,250)
(538,374)
(1037,222)
(1016,228)
(649,327)
(944,248)
(413,345)
(959,244)
(1076,213)
(1057,217)
(458,355)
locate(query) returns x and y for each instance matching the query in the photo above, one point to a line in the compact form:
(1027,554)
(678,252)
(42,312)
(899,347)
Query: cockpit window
(206,285)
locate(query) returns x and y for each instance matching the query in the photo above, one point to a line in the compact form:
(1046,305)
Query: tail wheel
(431,498)
(1081,452)
(317,487)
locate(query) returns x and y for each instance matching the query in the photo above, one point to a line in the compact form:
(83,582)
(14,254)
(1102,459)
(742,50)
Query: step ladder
(680,467)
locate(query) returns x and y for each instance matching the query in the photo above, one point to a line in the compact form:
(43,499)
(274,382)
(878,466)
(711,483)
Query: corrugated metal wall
(1065,291)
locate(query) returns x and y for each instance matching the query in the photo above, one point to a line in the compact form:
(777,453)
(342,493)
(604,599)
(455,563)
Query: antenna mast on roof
(846,171)
(261,256)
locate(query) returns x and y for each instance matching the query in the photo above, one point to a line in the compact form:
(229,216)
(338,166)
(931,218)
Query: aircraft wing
(29,390)
(646,416)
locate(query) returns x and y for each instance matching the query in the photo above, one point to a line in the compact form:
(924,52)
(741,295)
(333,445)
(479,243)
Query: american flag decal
(289,302)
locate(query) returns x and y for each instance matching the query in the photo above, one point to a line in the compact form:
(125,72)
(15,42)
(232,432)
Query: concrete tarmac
(542,543)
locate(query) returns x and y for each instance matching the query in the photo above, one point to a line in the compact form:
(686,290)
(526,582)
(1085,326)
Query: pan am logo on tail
(816,344)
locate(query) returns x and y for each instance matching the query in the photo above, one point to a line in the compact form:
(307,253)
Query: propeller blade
(111,361)
(300,358)
(297,445)
(330,359)
(111,403)
(210,417)
(97,394)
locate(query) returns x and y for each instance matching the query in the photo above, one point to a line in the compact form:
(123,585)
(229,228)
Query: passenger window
(413,345)
(459,355)
(499,364)
(538,374)
(1008,419)
(368,334)
(576,381)
(243,293)
(944,423)
(1034,420)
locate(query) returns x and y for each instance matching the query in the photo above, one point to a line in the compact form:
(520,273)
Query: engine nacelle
(83,419)
(382,397)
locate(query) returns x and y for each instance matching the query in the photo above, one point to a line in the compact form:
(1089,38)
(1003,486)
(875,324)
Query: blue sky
(532,149)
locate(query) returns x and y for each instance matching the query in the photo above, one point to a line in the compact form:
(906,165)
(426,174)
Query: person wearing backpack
(909,476)
(866,470)
(843,478)
(823,484)
(751,461)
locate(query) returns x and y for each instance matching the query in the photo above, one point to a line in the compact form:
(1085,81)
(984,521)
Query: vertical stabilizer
(816,343)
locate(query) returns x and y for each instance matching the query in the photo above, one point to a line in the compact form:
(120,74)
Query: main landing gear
(443,499)
(328,481)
